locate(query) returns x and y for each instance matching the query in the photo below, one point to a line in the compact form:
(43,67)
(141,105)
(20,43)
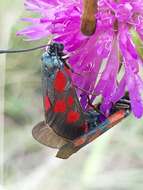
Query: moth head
(56,48)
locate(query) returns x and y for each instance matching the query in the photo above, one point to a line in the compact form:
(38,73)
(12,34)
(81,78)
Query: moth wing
(67,150)
(57,110)
(45,135)
(72,147)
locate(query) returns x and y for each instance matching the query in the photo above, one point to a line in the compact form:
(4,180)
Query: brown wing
(45,135)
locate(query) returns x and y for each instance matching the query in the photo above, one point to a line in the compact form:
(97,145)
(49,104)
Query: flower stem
(88,21)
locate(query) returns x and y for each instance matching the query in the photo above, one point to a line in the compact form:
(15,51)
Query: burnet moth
(66,126)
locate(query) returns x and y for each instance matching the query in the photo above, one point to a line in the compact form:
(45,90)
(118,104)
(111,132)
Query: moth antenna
(89,103)
(23,50)
(87,92)
(95,107)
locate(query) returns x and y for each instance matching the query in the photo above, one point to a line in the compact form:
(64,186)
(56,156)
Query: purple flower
(102,58)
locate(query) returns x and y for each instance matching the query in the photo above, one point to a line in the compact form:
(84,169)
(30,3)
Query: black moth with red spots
(66,126)
(63,112)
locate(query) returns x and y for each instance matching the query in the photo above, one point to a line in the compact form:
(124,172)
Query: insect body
(63,113)
(66,126)
(97,127)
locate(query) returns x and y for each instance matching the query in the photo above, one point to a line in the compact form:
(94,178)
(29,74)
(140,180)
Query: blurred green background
(112,162)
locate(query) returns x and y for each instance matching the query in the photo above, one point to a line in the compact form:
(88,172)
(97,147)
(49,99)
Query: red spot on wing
(70,101)
(47,103)
(60,106)
(60,81)
(73,116)
(85,128)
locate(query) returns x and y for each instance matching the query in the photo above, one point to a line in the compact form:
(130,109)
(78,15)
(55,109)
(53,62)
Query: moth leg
(124,102)
(71,69)
(122,105)
(95,106)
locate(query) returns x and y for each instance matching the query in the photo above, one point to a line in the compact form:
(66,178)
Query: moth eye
(61,47)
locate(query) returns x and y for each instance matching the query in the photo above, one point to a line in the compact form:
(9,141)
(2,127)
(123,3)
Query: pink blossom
(110,50)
